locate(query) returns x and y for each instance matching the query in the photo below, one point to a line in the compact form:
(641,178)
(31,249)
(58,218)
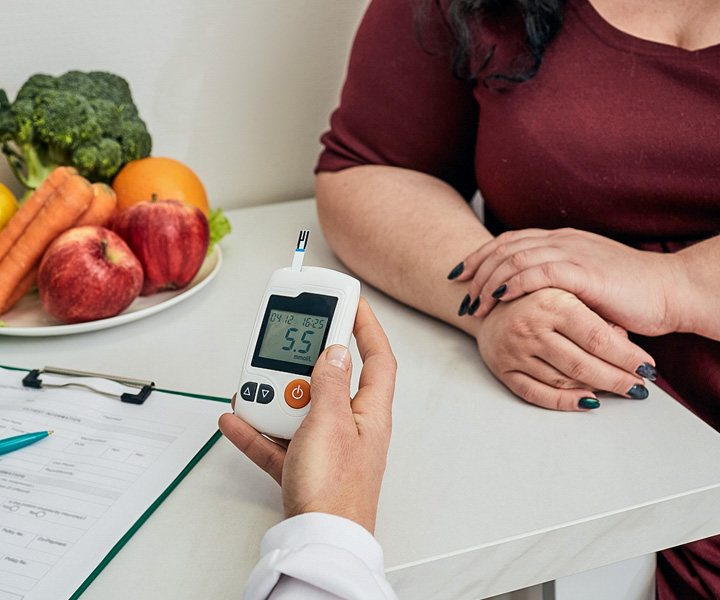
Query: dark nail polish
(457,271)
(588,403)
(474,306)
(464,306)
(638,392)
(500,291)
(647,371)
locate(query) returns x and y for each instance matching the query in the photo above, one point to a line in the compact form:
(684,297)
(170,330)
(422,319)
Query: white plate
(29,319)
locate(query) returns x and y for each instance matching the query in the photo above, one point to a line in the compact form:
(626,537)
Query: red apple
(88,273)
(170,238)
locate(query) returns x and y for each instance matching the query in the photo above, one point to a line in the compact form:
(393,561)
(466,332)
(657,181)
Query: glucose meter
(303,311)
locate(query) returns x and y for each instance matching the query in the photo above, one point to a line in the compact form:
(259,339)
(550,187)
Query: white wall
(239,90)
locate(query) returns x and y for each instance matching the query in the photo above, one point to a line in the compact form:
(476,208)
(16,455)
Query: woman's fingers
(563,274)
(546,396)
(492,280)
(599,338)
(498,247)
(563,350)
(489,268)
(541,370)
(578,365)
(628,286)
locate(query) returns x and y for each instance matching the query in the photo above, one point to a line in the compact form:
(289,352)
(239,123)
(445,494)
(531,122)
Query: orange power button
(297,393)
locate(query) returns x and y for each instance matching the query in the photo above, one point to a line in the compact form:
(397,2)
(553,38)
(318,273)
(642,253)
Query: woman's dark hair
(543,19)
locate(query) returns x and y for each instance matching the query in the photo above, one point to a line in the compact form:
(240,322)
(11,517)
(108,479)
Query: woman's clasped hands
(554,308)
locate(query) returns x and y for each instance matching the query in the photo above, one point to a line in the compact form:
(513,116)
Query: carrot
(17,225)
(101,208)
(99,212)
(59,212)
(22,288)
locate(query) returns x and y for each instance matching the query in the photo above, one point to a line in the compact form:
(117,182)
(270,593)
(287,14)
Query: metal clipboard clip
(32,380)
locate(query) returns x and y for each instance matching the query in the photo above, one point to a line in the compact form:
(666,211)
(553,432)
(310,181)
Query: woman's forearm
(403,232)
(697,299)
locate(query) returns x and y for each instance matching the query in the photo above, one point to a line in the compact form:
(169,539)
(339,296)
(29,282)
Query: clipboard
(144,394)
(32,380)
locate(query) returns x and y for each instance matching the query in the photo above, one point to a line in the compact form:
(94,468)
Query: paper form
(66,500)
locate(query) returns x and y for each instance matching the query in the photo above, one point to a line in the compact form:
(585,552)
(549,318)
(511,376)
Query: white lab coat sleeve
(318,556)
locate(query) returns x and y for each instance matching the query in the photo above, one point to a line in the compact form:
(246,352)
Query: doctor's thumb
(330,379)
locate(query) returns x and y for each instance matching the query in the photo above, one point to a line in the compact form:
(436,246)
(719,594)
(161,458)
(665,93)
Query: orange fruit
(165,178)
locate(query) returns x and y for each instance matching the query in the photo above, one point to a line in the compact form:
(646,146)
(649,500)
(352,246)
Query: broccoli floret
(7,122)
(85,120)
(104,158)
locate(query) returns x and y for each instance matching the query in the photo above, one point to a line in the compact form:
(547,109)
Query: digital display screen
(293,337)
(293,332)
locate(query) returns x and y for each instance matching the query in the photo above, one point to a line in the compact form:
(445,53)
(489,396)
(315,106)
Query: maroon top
(615,134)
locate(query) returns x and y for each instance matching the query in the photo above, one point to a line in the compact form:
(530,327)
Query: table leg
(632,579)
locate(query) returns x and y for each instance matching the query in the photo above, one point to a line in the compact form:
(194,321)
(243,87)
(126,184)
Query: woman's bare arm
(404,231)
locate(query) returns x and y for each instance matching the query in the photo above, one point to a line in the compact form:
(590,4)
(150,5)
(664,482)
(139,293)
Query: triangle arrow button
(247,390)
(265,394)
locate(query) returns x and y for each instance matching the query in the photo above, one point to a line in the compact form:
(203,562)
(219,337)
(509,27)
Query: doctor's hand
(335,462)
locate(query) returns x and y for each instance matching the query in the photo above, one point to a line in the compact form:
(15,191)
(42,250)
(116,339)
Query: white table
(483,493)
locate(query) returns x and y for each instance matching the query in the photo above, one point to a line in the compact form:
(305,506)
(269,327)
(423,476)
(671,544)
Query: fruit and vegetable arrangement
(101,221)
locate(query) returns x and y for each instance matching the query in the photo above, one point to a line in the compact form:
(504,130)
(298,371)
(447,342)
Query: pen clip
(32,380)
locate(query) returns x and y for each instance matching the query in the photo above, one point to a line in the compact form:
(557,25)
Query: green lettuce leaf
(219,227)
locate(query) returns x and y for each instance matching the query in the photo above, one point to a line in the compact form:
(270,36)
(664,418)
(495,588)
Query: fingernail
(457,271)
(647,371)
(589,403)
(464,306)
(474,306)
(500,291)
(338,356)
(638,392)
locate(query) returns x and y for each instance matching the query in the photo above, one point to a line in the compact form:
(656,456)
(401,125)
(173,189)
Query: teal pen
(20,441)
